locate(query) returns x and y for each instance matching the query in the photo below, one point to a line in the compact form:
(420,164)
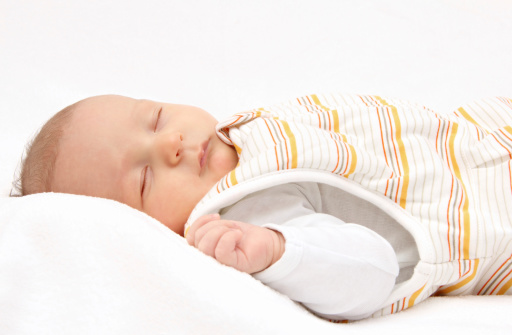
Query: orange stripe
(495,272)
(501,282)
(397,187)
(505,287)
(219,184)
(360,97)
(387,184)
(510,174)
(504,147)
(382,137)
(461,283)
(232,123)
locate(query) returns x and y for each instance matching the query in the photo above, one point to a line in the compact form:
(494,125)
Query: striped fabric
(446,178)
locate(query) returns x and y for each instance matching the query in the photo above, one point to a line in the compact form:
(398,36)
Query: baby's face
(156,157)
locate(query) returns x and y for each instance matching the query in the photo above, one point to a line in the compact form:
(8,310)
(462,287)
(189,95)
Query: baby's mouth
(203,154)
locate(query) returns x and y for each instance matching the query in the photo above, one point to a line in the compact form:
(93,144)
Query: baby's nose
(170,147)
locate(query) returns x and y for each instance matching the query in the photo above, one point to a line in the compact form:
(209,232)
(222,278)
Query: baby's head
(156,157)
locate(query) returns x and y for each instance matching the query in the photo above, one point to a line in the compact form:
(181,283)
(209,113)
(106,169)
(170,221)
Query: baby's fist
(245,247)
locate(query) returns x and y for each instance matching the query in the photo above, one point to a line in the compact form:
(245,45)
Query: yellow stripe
(468,117)
(382,101)
(333,113)
(354,160)
(232,178)
(315,99)
(465,209)
(405,163)
(460,284)
(415,295)
(238,149)
(505,288)
(401,149)
(336,119)
(509,129)
(293,143)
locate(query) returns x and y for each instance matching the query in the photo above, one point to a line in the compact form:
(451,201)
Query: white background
(226,55)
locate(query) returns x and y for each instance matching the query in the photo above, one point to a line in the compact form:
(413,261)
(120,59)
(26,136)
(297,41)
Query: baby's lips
(203,154)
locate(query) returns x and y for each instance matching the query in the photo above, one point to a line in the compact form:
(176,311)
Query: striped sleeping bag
(445,178)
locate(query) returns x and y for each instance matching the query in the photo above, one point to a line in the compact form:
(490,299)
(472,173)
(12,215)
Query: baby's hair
(41,152)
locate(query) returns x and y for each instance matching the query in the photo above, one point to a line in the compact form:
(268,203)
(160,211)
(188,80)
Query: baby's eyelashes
(157,119)
(145,181)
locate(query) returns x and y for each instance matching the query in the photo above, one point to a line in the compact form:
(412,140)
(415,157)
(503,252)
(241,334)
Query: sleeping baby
(350,205)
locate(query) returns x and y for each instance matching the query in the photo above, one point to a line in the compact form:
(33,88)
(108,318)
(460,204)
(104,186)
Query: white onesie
(323,253)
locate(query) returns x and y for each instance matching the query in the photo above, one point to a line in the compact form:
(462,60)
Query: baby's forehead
(103,108)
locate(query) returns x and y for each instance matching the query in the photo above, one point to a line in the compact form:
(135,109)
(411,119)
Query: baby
(163,159)
(158,158)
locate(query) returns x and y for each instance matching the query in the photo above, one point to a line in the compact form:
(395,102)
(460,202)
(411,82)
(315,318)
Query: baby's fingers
(226,250)
(207,242)
(200,222)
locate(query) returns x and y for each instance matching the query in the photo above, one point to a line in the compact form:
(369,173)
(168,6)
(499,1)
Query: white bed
(81,265)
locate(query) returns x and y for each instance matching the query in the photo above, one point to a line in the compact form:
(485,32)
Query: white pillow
(81,265)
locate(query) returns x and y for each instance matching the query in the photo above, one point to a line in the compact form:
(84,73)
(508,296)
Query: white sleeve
(337,270)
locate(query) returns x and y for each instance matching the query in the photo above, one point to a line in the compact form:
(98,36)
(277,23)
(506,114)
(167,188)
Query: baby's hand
(245,247)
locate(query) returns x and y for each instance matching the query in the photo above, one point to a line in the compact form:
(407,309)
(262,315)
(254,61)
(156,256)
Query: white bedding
(81,265)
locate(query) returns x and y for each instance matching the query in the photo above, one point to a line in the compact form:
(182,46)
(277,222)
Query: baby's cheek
(224,161)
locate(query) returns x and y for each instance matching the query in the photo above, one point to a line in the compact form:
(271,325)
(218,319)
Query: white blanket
(81,265)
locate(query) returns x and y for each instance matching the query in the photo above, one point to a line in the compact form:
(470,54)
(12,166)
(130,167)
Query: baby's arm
(245,247)
(338,270)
